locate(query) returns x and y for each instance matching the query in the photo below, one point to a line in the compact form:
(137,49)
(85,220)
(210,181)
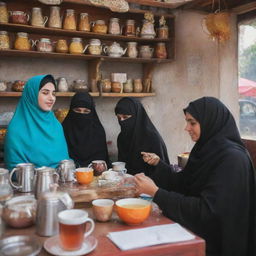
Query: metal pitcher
(66,170)
(45,176)
(25,173)
(6,191)
(48,207)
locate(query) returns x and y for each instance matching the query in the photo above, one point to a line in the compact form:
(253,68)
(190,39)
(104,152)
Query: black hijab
(220,138)
(138,134)
(84,133)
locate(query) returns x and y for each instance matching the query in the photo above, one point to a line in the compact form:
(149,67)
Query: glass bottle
(55,19)
(84,24)
(4,41)
(22,43)
(129,29)
(70,20)
(3,12)
(114,27)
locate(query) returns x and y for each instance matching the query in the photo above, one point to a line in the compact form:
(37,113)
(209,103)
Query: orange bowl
(133,210)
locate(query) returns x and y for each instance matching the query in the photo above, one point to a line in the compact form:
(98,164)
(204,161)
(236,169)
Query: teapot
(114,50)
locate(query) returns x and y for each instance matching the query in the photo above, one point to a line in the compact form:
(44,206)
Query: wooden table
(195,247)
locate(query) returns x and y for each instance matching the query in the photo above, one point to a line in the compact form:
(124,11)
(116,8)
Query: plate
(19,246)
(52,246)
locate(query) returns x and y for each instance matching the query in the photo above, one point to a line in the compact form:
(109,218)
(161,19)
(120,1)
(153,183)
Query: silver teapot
(66,170)
(114,50)
(48,206)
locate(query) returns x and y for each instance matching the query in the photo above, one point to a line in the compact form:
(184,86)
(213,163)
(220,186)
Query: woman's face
(82,110)
(47,97)
(192,127)
(122,117)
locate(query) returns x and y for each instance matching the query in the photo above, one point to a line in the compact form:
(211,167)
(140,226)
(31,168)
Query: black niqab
(138,134)
(84,133)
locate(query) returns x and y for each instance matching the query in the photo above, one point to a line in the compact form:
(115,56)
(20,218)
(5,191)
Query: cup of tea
(72,227)
(119,167)
(84,175)
(102,209)
(99,166)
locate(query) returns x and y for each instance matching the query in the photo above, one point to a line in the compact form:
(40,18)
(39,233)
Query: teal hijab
(33,135)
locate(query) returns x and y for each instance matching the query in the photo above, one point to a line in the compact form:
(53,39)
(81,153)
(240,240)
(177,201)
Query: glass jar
(4,41)
(19,17)
(105,85)
(161,52)
(70,20)
(44,45)
(55,19)
(114,27)
(116,87)
(84,24)
(99,26)
(94,47)
(132,51)
(76,46)
(137,86)
(37,17)
(22,43)
(62,46)
(129,29)
(146,52)
(3,12)
(163,32)
(128,86)
(62,84)
(80,85)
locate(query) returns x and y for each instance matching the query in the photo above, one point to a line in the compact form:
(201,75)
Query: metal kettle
(48,207)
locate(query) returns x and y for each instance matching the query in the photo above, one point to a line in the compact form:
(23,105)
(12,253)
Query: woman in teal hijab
(34,135)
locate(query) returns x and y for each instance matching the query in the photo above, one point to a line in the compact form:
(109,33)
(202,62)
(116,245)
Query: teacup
(99,166)
(84,175)
(102,209)
(72,226)
(119,167)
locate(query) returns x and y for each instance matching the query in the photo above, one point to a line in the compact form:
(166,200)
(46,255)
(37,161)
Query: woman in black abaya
(214,196)
(84,132)
(138,134)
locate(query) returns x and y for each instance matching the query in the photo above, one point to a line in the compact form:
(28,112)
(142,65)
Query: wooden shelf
(93,94)
(64,32)
(35,54)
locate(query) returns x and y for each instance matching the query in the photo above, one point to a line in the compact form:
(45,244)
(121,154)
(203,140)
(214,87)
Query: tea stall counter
(195,247)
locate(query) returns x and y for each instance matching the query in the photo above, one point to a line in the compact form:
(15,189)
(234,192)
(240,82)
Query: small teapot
(114,50)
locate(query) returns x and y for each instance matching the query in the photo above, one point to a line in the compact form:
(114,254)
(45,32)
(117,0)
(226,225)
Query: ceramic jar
(62,84)
(70,20)
(18,85)
(80,86)
(132,51)
(3,13)
(137,86)
(55,18)
(99,26)
(146,52)
(3,86)
(94,47)
(114,27)
(19,17)
(84,24)
(116,87)
(128,86)
(22,42)
(147,30)
(161,52)
(4,41)
(76,46)
(44,45)
(62,46)
(37,17)
(129,29)
(105,85)
(163,32)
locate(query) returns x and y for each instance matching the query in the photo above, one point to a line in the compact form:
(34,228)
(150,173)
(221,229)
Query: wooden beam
(244,8)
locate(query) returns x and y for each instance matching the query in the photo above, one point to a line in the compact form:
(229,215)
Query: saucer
(52,245)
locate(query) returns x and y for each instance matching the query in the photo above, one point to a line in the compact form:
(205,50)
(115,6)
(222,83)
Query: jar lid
(100,22)
(83,14)
(95,42)
(18,13)
(22,34)
(76,39)
(132,43)
(36,8)
(70,10)
(114,19)
(130,21)
(45,40)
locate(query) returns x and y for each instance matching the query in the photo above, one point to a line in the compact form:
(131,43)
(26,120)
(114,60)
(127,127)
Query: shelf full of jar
(74,33)
(93,94)
(37,54)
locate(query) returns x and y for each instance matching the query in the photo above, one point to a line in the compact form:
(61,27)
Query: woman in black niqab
(215,195)
(138,134)
(84,132)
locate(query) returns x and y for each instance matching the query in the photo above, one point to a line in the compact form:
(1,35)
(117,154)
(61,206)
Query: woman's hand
(150,158)
(145,185)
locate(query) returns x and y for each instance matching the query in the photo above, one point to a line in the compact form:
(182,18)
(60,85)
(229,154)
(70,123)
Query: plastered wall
(201,68)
